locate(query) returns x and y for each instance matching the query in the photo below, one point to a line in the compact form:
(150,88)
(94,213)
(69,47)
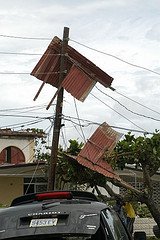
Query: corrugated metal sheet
(101,167)
(80,71)
(102,142)
(78,83)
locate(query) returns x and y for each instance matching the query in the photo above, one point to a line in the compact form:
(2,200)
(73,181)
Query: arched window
(12,155)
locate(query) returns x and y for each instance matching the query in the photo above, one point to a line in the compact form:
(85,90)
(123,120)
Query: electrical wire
(134,65)
(93,49)
(75,126)
(23,148)
(33,175)
(23,116)
(113,56)
(119,113)
(69,118)
(138,114)
(22,125)
(26,123)
(137,102)
(30,159)
(84,138)
(63,138)
(31,54)
(25,38)
(122,104)
(33,111)
(22,108)
(28,73)
(23,54)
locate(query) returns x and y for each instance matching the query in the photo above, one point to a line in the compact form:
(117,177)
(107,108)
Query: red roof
(80,76)
(102,142)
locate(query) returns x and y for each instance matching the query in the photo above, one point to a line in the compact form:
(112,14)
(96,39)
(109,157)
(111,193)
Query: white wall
(25,145)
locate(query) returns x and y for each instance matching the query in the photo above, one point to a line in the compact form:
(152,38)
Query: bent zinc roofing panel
(78,83)
(102,142)
(101,167)
(80,73)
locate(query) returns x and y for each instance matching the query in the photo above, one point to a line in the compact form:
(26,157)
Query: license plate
(47,222)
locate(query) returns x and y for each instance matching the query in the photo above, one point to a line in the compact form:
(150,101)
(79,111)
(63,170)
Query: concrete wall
(10,188)
(144,224)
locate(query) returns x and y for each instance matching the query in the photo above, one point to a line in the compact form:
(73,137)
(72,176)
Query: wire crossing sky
(121,37)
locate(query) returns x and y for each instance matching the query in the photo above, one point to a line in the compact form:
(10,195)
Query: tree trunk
(154,210)
(141,197)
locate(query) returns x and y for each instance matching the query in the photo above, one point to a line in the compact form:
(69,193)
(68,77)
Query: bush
(142,211)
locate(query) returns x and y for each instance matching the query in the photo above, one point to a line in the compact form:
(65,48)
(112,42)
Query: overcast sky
(128,30)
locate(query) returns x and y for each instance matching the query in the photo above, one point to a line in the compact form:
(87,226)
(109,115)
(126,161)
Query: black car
(67,215)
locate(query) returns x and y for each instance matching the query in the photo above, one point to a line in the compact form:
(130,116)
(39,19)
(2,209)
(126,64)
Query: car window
(52,237)
(114,225)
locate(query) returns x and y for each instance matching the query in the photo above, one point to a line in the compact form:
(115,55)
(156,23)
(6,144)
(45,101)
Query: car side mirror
(140,236)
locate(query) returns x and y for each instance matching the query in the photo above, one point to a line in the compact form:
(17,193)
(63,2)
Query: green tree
(143,152)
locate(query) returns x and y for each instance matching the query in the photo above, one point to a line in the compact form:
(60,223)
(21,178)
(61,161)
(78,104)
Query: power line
(26,123)
(23,124)
(69,118)
(138,114)
(31,54)
(24,116)
(93,49)
(64,138)
(119,113)
(25,38)
(33,175)
(33,111)
(84,138)
(137,102)
(22,108)
(14,53)
(113,56)
(27,73)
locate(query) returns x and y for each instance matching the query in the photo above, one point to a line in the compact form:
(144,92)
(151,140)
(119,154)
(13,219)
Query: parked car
(61,215)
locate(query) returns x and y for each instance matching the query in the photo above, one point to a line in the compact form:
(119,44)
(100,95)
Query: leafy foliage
(142,211)
(70,171)
(74,147)
(140,151)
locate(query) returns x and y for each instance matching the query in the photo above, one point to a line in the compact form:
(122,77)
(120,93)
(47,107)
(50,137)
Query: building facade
(20,172)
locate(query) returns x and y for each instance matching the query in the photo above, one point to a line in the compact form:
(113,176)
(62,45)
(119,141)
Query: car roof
(28,198)
(63,200)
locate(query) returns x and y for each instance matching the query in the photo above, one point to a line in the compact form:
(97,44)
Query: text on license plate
(46,222)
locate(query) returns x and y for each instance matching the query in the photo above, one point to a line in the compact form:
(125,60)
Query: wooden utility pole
(58,114)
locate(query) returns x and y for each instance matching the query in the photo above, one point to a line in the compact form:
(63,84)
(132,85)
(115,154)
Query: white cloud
(126,29)
(154,33)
